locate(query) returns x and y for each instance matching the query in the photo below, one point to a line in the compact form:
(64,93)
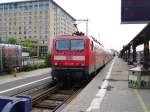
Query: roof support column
(126,55)
(146,53)
(134,53)
(129,51)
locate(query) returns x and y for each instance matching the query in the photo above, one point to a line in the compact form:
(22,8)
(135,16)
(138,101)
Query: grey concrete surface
(119,98)
(83,100)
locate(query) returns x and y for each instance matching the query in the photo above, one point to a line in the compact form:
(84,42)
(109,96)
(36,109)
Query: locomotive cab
(69,57)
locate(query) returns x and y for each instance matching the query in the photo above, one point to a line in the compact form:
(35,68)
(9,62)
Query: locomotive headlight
(82,64)
(56,63)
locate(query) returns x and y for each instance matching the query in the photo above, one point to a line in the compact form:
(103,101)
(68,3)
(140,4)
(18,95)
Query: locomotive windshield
(74,44)
(62,45)
(77,44)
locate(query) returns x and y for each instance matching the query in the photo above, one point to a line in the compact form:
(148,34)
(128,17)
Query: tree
(27,43)
(1,41)
(12,41)
(48,59)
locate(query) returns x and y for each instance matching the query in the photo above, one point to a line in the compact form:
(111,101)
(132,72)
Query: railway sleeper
(58,97)
(48,104)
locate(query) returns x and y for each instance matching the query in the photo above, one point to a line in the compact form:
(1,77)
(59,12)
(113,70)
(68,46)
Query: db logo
(69,57)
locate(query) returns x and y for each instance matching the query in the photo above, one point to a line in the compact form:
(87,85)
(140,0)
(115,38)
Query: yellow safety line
(141,101)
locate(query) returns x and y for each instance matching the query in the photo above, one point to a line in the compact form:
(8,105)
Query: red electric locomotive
(76,57)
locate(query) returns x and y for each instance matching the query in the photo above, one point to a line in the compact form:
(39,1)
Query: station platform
(5,78)
(109,92)
(10,85)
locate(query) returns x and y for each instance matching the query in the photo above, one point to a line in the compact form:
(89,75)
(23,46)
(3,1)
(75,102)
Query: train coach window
(77,44)
(62,45)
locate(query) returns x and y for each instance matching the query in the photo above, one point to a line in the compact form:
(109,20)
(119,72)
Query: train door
(94,56)
(91,58)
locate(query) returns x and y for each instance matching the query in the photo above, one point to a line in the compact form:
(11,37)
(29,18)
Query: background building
(36,20)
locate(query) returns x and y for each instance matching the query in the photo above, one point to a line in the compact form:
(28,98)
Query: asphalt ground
(109,92)
(10,85)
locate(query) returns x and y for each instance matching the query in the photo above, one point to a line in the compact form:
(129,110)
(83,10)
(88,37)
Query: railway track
(50,97)
(53,99)
(34,90)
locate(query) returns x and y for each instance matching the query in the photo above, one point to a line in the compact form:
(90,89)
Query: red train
(77,57)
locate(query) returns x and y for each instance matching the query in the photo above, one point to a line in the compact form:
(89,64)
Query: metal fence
(29,60)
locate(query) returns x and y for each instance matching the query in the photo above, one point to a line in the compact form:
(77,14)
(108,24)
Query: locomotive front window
(62,45)
(77,44)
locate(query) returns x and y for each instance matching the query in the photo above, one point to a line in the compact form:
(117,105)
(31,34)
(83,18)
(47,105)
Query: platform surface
(114,95)
(10,85)
(5,78)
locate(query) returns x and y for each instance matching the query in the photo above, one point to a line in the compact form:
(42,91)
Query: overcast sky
(104,20)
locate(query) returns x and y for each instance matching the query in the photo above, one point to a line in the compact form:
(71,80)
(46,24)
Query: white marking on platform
(104,85)
(17,87)
(96,102)
(101,93)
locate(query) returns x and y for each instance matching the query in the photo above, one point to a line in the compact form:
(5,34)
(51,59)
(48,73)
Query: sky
(104,20)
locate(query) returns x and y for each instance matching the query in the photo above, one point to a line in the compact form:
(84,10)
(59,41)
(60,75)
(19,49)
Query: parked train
(77,57)
(10,56)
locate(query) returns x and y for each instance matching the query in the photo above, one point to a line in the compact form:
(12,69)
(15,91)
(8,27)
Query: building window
(36,6)
(14,23)
(5,7)
(43,49)
(1,8)
(46,37)
(41,12)
(30,7)
(20,7)
(30,13)
(41,5)
(47,5)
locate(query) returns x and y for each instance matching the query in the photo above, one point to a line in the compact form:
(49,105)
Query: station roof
(140,38)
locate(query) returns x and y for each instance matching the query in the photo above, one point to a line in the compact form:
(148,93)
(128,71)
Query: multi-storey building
(36,20)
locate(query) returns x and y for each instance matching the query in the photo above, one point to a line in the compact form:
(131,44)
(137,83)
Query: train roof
(71,37)
(78,37)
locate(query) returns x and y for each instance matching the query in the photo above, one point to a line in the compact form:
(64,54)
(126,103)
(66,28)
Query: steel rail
(37,98)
